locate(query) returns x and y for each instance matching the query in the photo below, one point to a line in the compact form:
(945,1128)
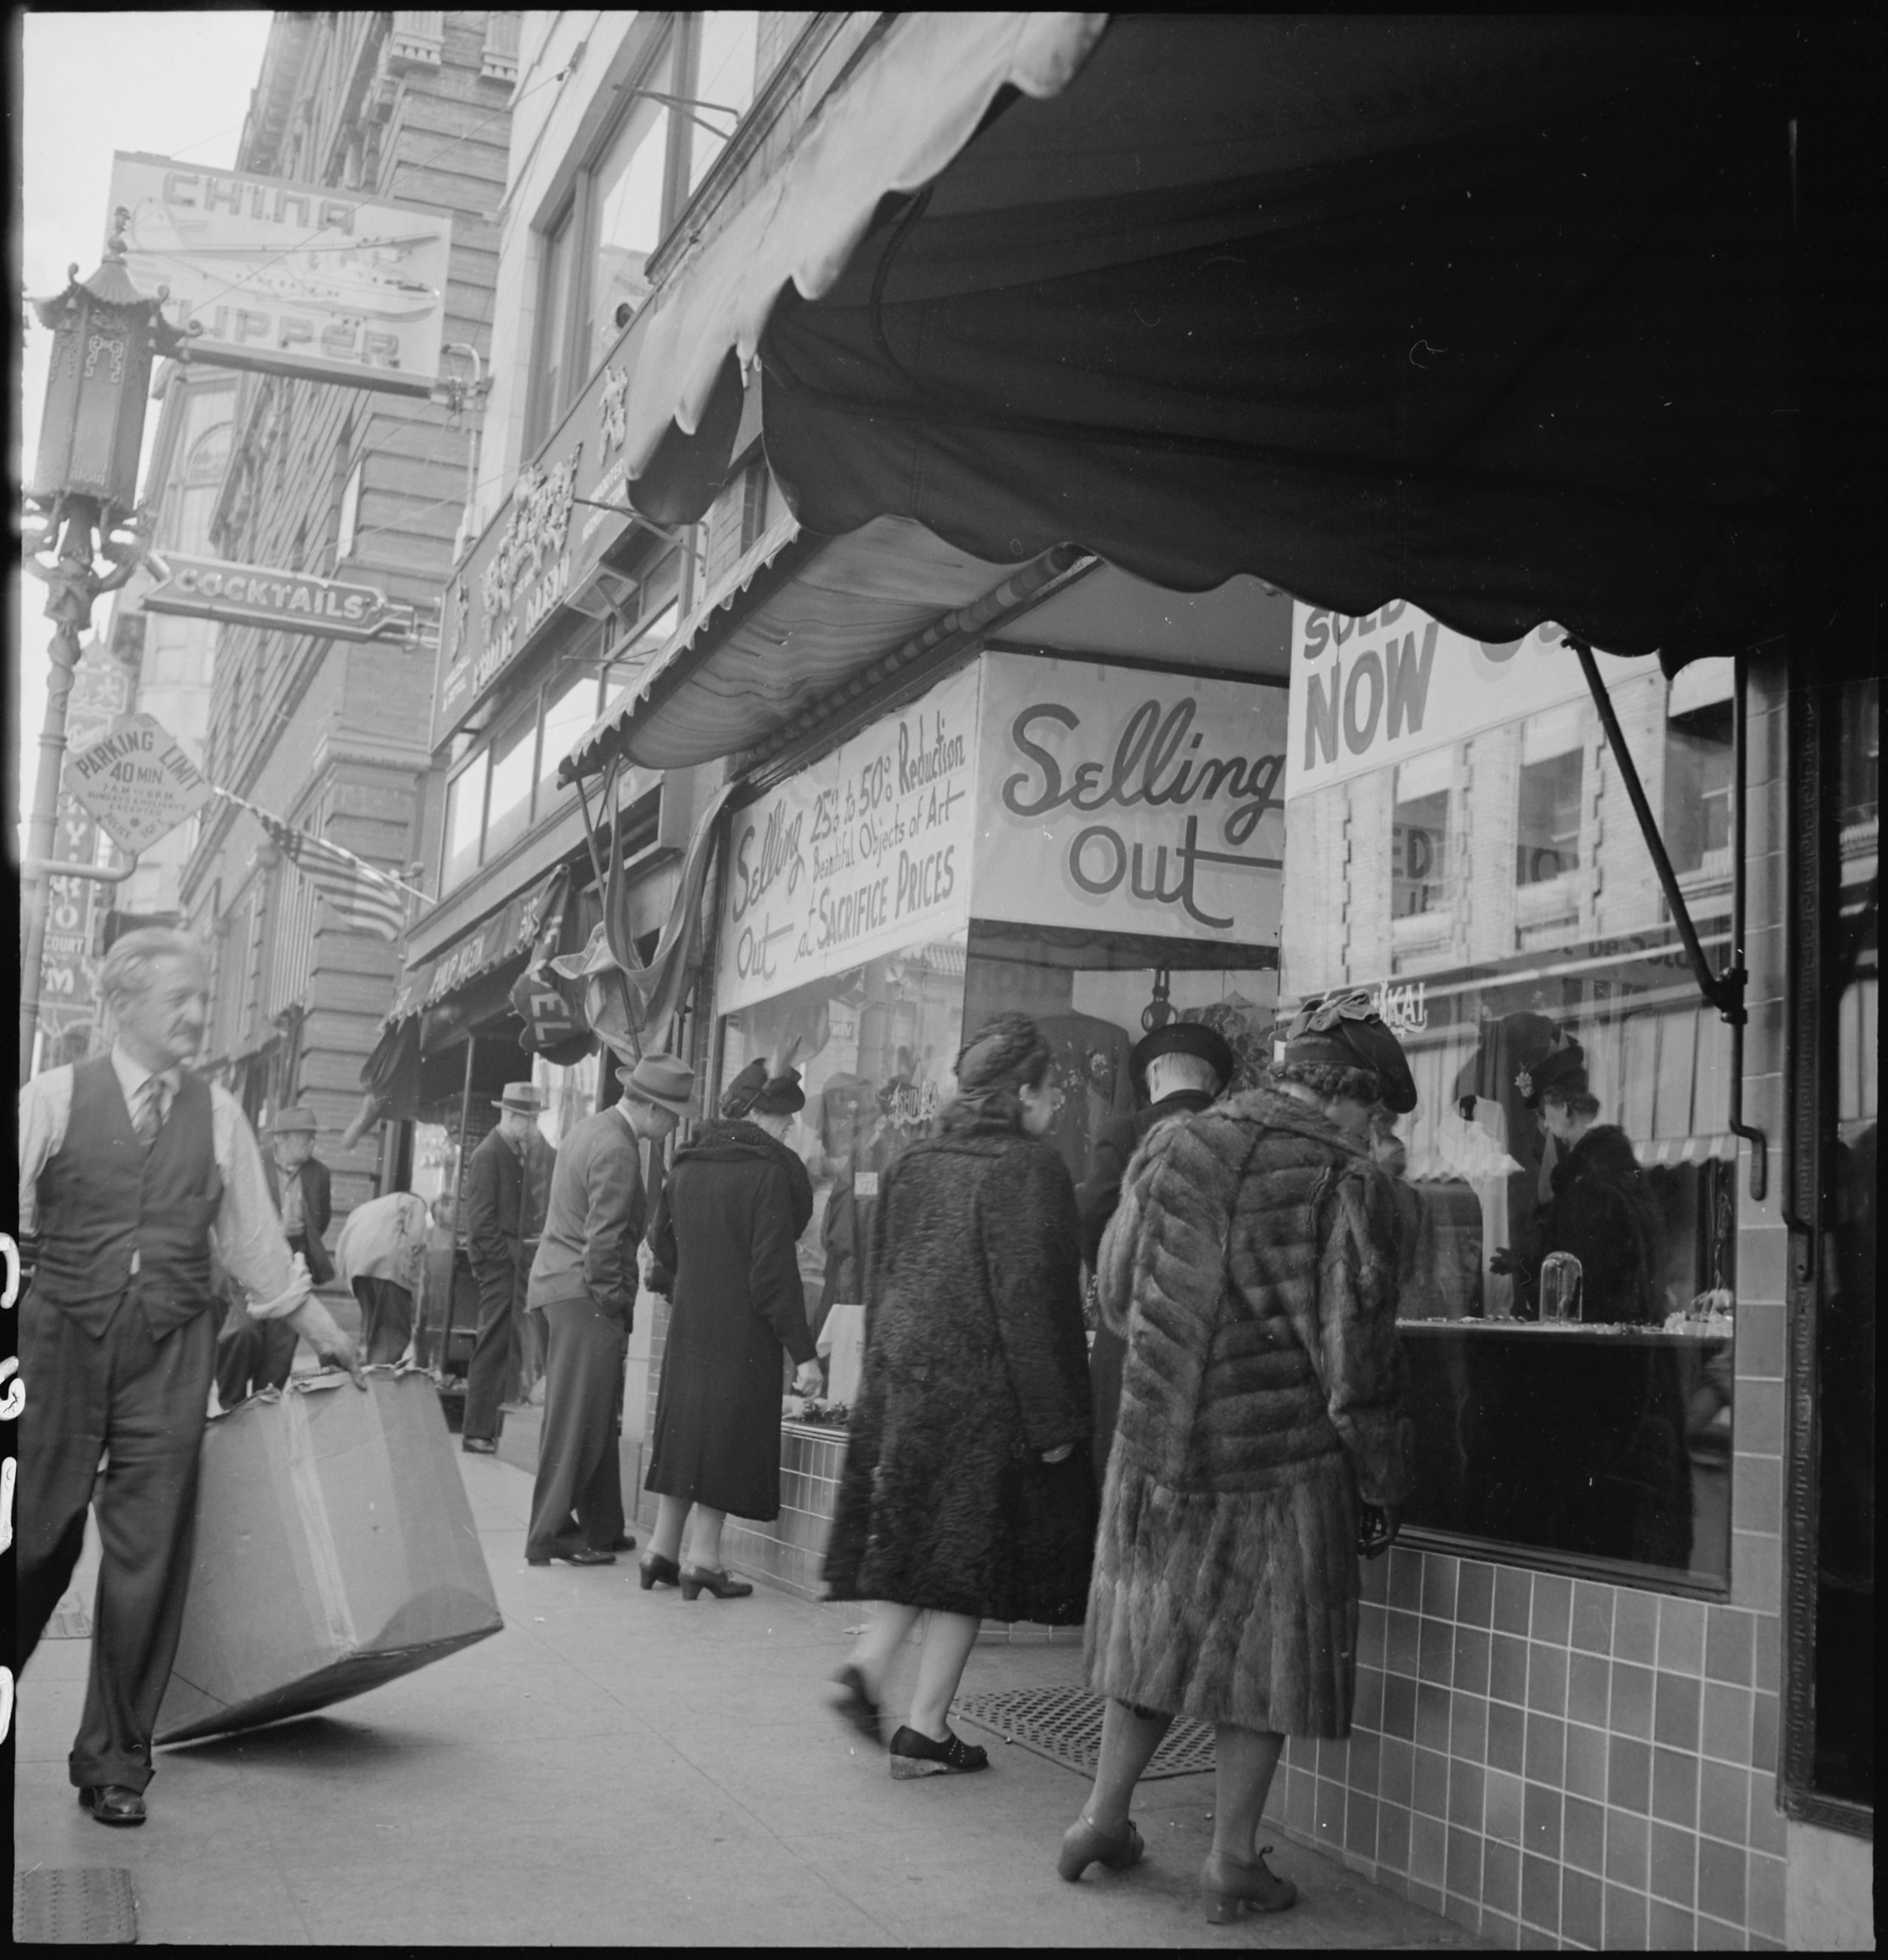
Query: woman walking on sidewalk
(964,1495)
(1253,1259)
(736,1200)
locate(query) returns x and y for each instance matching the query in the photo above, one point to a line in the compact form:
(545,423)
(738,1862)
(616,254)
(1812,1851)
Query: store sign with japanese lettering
(290,602)
(538,553)
(1371,691)
(1121,800)
(865,853)
(288,278)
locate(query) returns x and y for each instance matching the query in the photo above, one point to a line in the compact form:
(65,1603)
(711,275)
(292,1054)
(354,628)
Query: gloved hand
(1377,1528)
(808,1380)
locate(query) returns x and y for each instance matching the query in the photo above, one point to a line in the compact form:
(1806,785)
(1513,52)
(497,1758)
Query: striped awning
(1689,1149)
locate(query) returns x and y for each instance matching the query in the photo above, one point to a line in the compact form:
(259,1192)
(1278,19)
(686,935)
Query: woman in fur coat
(1260,1444)
(965,1494)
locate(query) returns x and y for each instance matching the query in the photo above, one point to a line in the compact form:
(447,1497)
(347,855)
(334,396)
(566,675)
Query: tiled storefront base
(1554,1762)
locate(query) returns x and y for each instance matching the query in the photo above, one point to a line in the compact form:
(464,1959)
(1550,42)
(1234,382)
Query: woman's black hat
(1345,1031)
(755,1093)
(1563,1070)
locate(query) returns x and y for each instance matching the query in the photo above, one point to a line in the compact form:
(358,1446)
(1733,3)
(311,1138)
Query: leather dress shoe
(625,1543)
(479,1446)
(697,1579)
(579,1554)
(113,1803)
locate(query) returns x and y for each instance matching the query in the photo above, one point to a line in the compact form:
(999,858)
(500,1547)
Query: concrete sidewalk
(624,1767)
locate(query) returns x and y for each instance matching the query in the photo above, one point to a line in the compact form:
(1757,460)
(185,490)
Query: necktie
(149,1118)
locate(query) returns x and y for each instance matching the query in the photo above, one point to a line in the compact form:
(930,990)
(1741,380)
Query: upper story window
(1547,831)
(1419,837)
(677,115)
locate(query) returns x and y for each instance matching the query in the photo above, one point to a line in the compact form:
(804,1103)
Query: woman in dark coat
(965,1494)
(736,1200)
(1260,1444)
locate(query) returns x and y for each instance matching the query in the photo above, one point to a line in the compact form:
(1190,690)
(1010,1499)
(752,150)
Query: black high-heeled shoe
(657,1571)
(697,1579)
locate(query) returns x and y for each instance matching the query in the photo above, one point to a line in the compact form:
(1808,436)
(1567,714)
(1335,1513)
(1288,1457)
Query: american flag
(364,899)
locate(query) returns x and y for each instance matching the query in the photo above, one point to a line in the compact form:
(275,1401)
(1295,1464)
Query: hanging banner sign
(288,278)
(1120,800)
(865,853)
(290,602)
(137,781)
(1396,683)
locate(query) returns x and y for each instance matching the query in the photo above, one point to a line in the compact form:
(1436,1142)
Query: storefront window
(509,810)
(570,1094)
(875,1046)
(465,820)
(1567,1185)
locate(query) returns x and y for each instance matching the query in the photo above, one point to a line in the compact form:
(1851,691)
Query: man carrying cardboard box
(133,1171)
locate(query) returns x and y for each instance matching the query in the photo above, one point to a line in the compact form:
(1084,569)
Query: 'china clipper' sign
(290,602)
(288,278)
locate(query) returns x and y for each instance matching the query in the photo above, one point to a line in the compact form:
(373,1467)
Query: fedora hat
(525,1097)
(666,1080)
(1183,1038)
(297,1120)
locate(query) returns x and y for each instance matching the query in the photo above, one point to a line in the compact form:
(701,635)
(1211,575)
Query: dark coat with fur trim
(1254,1252)
(975,1366)
(723,1237)
(1602,1211)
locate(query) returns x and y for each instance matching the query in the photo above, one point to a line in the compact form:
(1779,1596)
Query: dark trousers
(143,1402)
(257,1354)
(578,1499)
(387,1318)
(498,1353)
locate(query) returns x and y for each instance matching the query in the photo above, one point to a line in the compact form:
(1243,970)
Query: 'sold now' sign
(137,781)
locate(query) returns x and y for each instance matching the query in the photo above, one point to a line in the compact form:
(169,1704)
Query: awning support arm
(1724,991)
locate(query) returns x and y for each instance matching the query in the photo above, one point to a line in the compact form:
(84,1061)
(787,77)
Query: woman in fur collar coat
(1254,1258)
(736,1200)
(966,1491)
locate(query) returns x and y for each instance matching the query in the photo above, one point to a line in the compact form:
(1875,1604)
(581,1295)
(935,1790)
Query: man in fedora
(584,1279)
(507,1187)
(1181,1069)
(256,1354)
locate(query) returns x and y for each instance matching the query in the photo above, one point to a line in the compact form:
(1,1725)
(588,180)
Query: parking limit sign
(137,781)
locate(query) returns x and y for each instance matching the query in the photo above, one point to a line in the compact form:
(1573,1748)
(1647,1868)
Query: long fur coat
(1254,1255)
(973,1367)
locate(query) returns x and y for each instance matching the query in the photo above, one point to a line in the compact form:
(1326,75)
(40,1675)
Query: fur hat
(1345,1031)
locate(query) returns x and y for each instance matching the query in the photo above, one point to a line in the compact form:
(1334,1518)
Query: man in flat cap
(584,1279)
(1180,1069)
(252,1355)
(507,1188)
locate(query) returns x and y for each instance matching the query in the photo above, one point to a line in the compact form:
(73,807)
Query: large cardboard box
(336,1549)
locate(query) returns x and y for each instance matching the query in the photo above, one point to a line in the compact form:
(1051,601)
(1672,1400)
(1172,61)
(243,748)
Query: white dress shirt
(246,1234)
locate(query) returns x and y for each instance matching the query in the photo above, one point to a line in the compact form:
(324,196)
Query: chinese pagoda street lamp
(83,493)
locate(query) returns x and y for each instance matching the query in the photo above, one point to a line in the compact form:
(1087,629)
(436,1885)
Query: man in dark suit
(507,1187)
(134,1172)
(584,1280)
(251,1354)
(1180,1069)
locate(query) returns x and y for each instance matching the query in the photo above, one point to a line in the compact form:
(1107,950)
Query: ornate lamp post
(85,486)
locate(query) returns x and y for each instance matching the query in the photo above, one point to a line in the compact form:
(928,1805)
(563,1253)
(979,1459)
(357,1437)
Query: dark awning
(1489,314)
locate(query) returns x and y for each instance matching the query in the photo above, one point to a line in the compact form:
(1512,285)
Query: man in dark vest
(256,1354)
(1181,1069)
(133,1170)
(507,1187)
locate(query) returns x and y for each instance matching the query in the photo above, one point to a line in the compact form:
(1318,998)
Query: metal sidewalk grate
(89,1908)
(1065,1725)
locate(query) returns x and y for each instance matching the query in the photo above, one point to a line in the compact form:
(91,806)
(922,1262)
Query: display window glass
(1567,1187)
